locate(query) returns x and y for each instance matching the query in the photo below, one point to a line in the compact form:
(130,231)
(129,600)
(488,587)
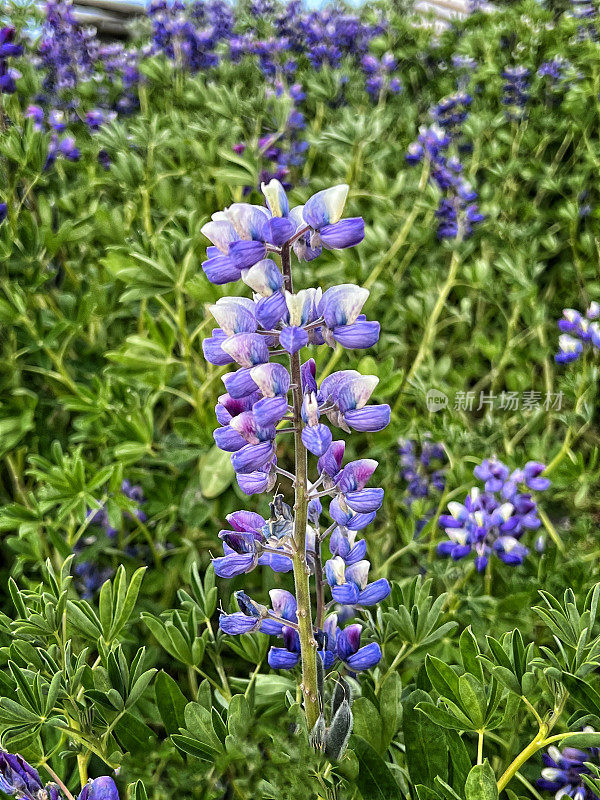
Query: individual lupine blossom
(422,467)
(20,780)
(494,520)
(8,49)
(59,145)
(516,91)
(579,332)
(379,78)
(251,333)
(564,769)
(457,211)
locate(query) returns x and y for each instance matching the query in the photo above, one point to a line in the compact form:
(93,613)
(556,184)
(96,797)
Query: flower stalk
(308,645)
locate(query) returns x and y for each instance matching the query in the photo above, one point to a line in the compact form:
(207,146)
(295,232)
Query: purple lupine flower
(578,333)
(516,91)
(563,771)
(244,546)
(8,49)
(36,114)
(341,644)
(18,778)
(379,75)
(493,521)
(251,334)
(349,583)
(457,211)
(252,616)
(102,788)
(422,470)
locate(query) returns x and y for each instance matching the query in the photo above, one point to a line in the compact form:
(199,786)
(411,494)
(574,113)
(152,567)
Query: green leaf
(425,741)
(139,687)
(459,760)
(443,678)
(125,605)
(215,472)
(171,702)
(581,740)
(481,783)
(138,791)
(445,719)
(473,699)
(587,697)
(368,723)
(133,735)
(507,678)
(469,651)
(374,781)
(199,722)
(390,707)
(238,716)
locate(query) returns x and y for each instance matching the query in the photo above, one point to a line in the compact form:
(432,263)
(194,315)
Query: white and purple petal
(271,379)
(213,351)
(341,305)
(280,658)
(271,310)
(356,475)
(252,457)
(264,278)
(374,593)
(228,439)
(234,564)
(234,315)
(239,384)
(325,207)
(247,349)
(358,336)
(237,623)
(293,338)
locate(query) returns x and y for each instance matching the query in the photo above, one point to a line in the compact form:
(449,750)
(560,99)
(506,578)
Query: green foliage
(103,307)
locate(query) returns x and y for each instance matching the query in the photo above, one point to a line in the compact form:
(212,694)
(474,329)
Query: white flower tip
(336,201)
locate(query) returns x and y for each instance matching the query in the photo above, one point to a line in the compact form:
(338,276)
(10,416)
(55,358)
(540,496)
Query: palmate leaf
(200,724)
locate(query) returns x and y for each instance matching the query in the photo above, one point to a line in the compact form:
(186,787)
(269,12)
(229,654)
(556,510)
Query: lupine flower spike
(265,397)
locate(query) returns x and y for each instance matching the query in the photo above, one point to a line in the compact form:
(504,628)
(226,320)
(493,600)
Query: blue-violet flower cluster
(494,520)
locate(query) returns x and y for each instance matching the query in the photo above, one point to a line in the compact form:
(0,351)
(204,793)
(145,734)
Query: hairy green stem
(308,645)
